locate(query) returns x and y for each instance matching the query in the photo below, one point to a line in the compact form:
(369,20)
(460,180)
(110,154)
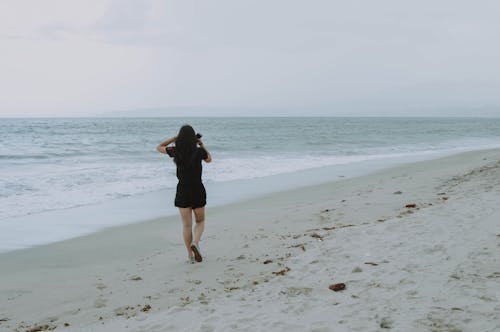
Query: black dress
(190,190)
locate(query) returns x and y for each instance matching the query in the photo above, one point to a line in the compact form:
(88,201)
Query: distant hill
(345,110)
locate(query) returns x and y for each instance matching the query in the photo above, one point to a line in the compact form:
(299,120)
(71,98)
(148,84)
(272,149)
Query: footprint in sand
(206,328)
(296,291)
(37,327)
(385,323)
(126,311)
(100,303)
(194,281)
(135,278)
(100,286)
(132,311)
(156,296)
(203,298)
(185,301)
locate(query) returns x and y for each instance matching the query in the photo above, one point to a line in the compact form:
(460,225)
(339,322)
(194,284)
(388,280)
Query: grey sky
(268,57)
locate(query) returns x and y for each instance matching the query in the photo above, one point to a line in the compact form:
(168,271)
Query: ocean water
(61,165)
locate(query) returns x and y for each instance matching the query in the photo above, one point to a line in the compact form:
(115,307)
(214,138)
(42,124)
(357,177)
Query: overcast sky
(242,57)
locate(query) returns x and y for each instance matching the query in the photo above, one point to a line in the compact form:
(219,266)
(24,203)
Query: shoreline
(52,226)
(116,273)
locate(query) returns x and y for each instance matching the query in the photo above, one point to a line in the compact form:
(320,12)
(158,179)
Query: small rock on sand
(357,269)
(337,287)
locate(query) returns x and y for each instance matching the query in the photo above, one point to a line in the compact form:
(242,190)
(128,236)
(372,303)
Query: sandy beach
(417,247)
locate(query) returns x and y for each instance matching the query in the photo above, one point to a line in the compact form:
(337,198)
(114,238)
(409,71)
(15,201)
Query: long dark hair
(185,147)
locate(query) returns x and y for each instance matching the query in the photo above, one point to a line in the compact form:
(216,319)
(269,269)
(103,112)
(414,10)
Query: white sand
(437,265)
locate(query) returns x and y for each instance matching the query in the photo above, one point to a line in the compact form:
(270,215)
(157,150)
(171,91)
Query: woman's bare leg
(187,225)
(199,214)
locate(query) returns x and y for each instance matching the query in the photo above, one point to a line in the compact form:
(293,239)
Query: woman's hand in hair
(209,157)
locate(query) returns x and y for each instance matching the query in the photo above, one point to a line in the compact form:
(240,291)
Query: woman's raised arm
(162,147)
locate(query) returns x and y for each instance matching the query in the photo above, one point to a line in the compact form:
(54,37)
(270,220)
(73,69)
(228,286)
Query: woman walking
(190,198)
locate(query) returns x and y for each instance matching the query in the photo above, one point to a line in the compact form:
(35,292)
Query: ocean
(56,172)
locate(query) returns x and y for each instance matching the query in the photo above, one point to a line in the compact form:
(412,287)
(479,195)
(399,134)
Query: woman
(191,195)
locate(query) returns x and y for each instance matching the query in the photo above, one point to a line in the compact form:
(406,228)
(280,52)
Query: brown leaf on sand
(282,272)
(411,206)
(316,236)
(146,308)
(371,263)
(337,287)
(336,227)
(230,289)
(300,245)
(344,226)
(268,261)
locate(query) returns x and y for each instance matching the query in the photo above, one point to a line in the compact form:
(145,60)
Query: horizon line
(245,116)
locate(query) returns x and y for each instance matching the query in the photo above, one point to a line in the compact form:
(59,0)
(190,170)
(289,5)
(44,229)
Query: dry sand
(269,262)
